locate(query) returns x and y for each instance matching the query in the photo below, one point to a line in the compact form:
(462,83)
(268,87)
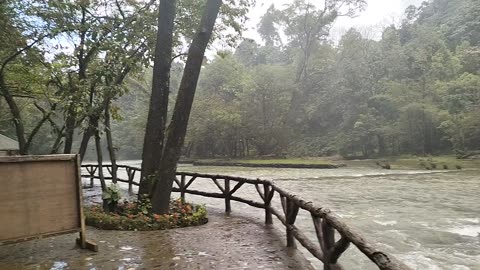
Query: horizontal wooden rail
(327,249)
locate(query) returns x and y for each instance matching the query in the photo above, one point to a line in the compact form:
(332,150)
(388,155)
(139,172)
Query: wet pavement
(225,242)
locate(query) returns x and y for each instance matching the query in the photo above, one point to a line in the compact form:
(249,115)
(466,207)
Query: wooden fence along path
(327,249)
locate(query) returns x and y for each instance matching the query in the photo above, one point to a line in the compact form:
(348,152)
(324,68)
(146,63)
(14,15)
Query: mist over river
(428,219)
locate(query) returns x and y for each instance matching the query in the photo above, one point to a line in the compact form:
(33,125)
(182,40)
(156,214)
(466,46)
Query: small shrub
(111,197)
(132,216)
(445,167)
(433,166)
(458,167)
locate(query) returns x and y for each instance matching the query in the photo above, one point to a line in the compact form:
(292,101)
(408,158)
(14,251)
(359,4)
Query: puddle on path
(224,243)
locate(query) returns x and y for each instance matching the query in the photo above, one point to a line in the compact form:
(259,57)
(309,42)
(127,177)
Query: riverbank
(271,163)
(445,162)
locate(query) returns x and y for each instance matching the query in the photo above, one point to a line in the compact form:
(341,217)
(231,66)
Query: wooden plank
(38,236)
(79,192)
(38,198)
(41,196)
(23,159)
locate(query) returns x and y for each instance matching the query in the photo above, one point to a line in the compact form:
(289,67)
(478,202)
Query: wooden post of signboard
(82,240)
(41,196)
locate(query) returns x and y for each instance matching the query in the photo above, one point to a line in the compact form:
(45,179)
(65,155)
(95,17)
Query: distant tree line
(414,91)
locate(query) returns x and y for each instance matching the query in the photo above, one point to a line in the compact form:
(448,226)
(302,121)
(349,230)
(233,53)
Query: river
(429,220)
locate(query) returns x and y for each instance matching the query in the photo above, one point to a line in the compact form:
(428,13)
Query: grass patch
(285,161)
(294,161)
(445,162)
(132,216)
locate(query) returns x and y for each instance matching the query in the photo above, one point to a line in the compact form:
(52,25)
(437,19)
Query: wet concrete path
(233,242)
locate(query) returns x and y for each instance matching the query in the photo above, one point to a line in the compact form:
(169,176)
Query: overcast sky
(379,13)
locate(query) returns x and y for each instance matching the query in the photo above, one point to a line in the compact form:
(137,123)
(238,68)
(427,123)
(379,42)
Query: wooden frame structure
(41,196)
(326,224)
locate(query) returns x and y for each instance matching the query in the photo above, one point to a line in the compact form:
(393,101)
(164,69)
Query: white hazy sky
(378,14)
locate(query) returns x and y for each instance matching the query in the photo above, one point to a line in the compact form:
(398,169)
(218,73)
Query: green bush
(111,197)
(132,217)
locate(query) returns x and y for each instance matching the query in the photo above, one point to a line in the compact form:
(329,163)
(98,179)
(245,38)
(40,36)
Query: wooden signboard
(41,196)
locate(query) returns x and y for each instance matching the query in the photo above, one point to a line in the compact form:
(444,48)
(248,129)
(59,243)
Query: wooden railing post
(328,241)
(228,207)
(92,173)
(331,250)
(131,175)
(291,216)
(268,194)
(182,188)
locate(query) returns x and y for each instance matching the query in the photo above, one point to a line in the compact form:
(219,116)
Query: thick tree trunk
(87,134)
(17,118)
(70,123)
(157,114)
(186,93)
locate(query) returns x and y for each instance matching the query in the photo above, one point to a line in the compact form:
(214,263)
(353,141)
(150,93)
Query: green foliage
(144,206)
(131,217)
(107,41)
(415,91)
(112,195)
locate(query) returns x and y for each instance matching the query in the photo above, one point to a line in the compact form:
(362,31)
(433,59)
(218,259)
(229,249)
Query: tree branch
(17,53)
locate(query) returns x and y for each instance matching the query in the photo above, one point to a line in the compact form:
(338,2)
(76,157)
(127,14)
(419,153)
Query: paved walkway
(224,243)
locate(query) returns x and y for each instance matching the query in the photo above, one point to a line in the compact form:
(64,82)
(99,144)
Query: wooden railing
(327,249)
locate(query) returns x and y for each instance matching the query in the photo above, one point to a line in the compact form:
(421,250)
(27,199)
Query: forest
(297,92)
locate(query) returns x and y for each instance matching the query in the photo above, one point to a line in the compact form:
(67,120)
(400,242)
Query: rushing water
(429,220)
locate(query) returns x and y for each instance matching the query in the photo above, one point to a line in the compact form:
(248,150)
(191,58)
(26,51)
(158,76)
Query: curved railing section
(326,248)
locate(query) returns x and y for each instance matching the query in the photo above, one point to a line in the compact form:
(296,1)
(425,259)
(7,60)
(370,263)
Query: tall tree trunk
(98,146)
(57,143)
(87,134)
(111,149)
(17,118)
(157,114)
(181,113)
(70,123)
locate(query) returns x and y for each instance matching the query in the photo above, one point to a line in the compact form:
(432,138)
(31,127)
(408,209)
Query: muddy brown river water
(430,220)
